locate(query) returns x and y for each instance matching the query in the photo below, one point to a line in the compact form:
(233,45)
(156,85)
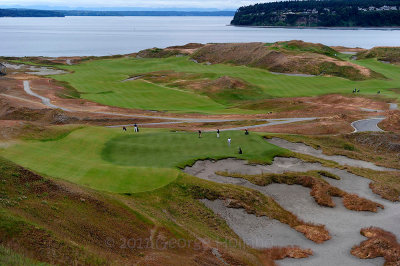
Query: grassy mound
(134,163)
(224,90)
(173,93)
(285,57)
(158,53)
(55,222)
(301,47)
(386,54)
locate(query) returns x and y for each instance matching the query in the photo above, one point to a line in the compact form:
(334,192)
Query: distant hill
(63,13)
(29,13)
(325,13)
(290,57)
(146,13)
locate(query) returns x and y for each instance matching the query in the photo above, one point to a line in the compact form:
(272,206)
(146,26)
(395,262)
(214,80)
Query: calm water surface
(118,35)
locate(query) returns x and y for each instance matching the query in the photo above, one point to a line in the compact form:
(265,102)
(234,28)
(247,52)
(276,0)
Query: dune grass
(8,258)
(103,81)
(111,160)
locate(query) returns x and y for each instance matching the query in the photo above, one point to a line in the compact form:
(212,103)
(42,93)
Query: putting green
(125,162)
(171,149)
(103,81)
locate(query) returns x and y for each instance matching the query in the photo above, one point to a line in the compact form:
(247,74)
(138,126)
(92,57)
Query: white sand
(343,224)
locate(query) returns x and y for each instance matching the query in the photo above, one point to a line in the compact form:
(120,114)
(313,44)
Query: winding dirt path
(45,101)
(370,124)
(170,120)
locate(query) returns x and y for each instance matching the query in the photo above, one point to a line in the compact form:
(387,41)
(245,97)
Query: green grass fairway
(171,149)
(101,81)
(134,162)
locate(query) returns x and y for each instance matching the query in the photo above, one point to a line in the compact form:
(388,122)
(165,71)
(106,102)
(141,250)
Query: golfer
(199,133)
(136,129)
(229,141)
(217,133)
(124,128)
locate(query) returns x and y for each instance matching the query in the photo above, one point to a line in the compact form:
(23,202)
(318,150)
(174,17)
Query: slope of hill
(384,54)
(29,13)
(285,57)
(330,13)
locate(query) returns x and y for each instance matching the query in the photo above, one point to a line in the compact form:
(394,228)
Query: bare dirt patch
(321,126)
(392,121)
(326,105)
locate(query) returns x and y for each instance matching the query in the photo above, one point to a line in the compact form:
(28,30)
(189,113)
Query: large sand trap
(343,224)
(343,160)
(35,70)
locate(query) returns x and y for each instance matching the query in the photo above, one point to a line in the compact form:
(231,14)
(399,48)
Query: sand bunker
(343,224)
(393,106)
(35,70)
(343,160)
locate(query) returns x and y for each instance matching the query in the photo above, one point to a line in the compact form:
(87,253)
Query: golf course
(122,162)
(105,82)
(202,154)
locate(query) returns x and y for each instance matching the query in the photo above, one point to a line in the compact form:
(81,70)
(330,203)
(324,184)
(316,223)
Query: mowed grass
(112,160)
(174,149)
(102,81)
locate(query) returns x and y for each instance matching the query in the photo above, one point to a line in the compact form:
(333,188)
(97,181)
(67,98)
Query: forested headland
(326,13)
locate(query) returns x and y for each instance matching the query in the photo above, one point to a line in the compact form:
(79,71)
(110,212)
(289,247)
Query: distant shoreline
(88,13)
(318,27)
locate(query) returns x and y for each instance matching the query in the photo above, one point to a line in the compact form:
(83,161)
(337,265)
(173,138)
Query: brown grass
(392,121)
(385,191)
(380,243)
(324,126)
(61,223)
(224,89)
(294,252)
(321,191)
(356,203)
(278,59)
(387,54)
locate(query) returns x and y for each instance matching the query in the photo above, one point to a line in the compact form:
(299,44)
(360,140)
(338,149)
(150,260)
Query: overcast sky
(219,4)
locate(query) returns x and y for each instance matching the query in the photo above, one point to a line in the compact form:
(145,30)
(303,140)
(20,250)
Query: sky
(151,4)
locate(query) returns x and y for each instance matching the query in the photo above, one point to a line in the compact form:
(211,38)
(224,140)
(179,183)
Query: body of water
(79,36)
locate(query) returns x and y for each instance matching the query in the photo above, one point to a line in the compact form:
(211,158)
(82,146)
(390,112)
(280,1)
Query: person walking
(229,141)
(135,127)
(246,132)
(217,133)
(199,133)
